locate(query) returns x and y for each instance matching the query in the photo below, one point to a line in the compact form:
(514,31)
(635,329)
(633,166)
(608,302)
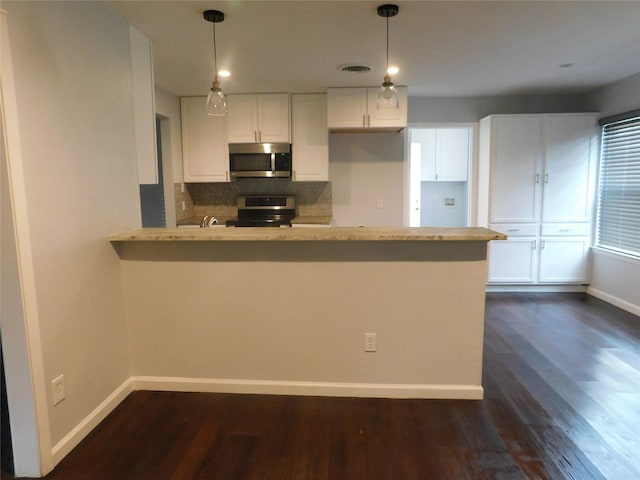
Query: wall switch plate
(57,387)
(369,342)
(184,205)
(380,203)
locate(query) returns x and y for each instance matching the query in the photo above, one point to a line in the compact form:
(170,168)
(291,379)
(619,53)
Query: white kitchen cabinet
(310,137)
(354,109)
(563,259)
(513,260)
(258,118)
(205,152)
(515,165)
(570,156)
(444,154)
(540,171)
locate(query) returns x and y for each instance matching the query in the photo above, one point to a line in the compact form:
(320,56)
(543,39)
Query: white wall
(364,169)
(616,278)
(193,329)
(73,90)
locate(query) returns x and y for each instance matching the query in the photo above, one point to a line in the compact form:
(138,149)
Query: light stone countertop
(285,234)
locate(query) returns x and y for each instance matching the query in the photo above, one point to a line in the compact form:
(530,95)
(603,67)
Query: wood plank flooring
(562,401)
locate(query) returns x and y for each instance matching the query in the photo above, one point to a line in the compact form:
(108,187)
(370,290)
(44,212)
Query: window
(619,191)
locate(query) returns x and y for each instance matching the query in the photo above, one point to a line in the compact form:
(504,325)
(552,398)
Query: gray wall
(72,71)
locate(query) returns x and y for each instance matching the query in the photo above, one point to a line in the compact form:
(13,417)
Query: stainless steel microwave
(260,159)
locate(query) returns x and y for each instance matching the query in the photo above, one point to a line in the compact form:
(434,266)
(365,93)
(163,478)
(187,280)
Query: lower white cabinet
(310,137)
(550,254)
(513,260)
(563,259)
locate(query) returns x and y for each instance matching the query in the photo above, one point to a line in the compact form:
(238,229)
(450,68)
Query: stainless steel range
(264,211)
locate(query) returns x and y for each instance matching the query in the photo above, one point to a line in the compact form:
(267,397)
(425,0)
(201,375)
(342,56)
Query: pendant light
(216,100)
(387,98)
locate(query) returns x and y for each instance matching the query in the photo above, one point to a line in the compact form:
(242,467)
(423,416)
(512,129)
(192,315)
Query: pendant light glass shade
(387,98)
(216,99)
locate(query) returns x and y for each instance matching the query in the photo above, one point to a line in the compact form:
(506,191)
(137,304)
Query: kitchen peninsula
(287,310)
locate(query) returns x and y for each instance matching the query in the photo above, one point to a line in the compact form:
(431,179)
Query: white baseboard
(536,288)
(91,421)
(278,387)
(618,302)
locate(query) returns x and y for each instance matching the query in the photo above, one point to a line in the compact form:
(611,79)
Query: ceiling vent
(354,68)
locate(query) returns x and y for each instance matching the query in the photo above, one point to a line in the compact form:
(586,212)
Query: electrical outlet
(380,203)
(369,342)
(57,387)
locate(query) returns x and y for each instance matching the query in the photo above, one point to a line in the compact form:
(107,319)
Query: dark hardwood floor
(562,401)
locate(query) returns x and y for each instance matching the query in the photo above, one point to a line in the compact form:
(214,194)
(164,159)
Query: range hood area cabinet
(205,151)
(537,185)
(258,118)
(354,110)
(310,137)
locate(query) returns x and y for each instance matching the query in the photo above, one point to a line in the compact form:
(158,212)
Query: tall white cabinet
(537,177)
(310,137)
(205,152)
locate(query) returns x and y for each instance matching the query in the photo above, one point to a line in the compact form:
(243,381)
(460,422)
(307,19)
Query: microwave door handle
(273,162)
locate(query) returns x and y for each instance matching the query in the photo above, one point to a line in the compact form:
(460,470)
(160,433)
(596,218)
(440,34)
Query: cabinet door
(515,169)
(452,154)
(425,147)
(242,118)
(273,118)
(310,138)
(563,259)
(395,118)
(346,107)
(513,260)
(568,166)
(205,152)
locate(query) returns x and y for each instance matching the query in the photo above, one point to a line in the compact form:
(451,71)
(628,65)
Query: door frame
(472,182)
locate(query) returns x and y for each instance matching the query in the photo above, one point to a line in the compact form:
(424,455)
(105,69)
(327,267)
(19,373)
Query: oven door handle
(273,162)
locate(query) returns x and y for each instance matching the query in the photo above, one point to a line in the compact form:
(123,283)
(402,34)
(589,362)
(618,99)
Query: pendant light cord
(215,56)
(386,72)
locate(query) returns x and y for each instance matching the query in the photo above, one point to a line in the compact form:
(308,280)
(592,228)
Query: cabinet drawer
(516,229)
(565,229)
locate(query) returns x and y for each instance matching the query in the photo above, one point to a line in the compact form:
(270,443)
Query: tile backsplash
(312,198)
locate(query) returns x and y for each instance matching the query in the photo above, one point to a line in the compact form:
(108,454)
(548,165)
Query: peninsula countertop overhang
(338,234)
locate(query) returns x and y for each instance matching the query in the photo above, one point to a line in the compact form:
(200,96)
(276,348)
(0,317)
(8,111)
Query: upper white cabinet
(542,167)
(536,184)
(310,137)
(355,109)
(258,118)
(570,154)
(516,161)
(205,152)
(444,154)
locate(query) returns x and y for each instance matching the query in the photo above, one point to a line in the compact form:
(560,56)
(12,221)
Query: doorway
(439,173)
(152,201)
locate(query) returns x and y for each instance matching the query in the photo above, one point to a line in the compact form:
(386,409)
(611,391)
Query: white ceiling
(443,48)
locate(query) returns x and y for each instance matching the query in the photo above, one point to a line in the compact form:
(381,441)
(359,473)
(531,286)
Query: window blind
(619,187)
